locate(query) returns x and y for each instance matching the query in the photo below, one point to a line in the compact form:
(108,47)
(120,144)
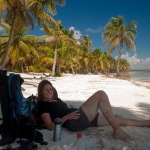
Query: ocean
(141,77)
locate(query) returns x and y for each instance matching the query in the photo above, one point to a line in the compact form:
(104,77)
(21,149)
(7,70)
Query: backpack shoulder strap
(31,105)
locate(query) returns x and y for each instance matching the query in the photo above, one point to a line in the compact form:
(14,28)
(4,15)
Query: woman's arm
(50,125)
(72,115)
(47,121)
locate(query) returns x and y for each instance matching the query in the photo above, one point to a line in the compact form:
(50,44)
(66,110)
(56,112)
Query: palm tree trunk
(118,71)
(3,63)
(119,57)
(54,63)
(72,69)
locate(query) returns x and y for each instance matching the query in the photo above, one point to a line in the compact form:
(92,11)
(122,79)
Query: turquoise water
(141,77)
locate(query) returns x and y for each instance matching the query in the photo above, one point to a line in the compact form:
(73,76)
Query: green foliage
(32,69)
(57,74)
(43,70)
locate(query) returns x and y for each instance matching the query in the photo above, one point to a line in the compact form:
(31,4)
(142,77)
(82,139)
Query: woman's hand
(73,115)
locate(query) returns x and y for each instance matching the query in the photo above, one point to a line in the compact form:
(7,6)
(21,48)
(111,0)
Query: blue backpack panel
(15,94)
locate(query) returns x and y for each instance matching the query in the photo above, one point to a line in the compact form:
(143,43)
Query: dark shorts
(82,123)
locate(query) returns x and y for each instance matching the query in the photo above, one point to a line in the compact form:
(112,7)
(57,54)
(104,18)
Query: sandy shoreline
(126,98)
(139,83)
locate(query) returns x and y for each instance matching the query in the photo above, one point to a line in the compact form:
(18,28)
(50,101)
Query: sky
(88,17)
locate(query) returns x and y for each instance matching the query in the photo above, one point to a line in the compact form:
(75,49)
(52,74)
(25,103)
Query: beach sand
(126,98)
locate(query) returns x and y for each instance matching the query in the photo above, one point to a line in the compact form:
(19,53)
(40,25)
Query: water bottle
(78,145)
(57,130)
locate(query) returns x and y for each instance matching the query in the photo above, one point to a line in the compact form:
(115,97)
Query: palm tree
(117,33)
(86,46)
(95,59)
(56,35)
(68,55)
(86,42)
(23,49)
(124,65)
(18,13)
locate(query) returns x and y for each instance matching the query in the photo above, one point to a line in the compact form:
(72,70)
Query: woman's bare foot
(120,134)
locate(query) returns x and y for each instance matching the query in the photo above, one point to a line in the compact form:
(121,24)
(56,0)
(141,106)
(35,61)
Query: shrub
(57,74)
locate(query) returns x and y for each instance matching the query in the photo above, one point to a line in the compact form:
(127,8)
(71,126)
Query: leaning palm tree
(23,48)
(56,35)
(18,13)
(117,33)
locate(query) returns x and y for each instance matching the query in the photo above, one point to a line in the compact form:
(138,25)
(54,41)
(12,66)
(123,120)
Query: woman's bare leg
(123,121)
(100,100)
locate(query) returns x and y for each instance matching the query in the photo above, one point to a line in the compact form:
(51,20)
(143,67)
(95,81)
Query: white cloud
(93,30)
(72,28)
(137,63)
(77,34)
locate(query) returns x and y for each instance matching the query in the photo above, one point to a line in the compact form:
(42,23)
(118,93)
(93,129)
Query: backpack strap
(31,105)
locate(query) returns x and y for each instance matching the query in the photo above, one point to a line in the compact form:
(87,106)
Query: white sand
(126,98)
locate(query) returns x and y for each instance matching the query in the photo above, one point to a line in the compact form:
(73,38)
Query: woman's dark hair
(40,90)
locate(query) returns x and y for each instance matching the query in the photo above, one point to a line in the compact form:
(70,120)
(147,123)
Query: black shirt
(56,109)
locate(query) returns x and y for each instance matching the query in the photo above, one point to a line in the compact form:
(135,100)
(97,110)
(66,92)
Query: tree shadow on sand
(143,113)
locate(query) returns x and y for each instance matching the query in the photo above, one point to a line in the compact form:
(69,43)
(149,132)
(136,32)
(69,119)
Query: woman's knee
(101,93)
(101,96)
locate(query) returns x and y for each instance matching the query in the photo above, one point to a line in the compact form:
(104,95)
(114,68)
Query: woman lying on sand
(95,112)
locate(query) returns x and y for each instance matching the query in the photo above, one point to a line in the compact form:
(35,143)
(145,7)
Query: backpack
(14,125)
(28,104)
(30,109)
(10,99)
